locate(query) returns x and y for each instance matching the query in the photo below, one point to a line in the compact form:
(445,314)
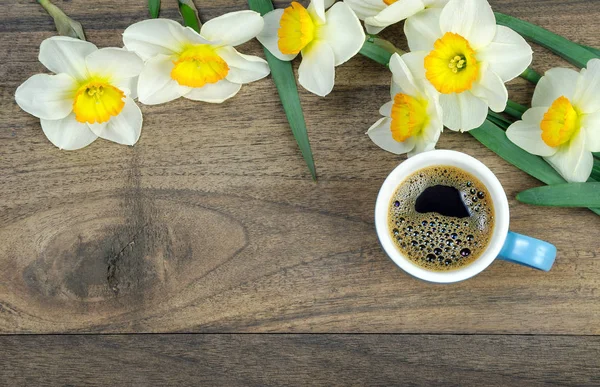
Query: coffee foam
(434,241)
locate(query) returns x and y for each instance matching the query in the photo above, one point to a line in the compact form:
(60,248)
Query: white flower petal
(316,9)
(573,161)
(423,29)
(386,109)
(555,83)
(234,28)
(421,145)
(268,36)
(153,37)
(67,133)
(381,134)
(155,85)
(395,13)
(474,20)
(402,76)
(366,8)
(591,124)
(435,3)
(508,55)
(214,92)
(491,88)
(123,129)
(243,68)
(317,70)
(115,63)
(127,85)
(463,111)
(586,96)
(415,61)
(527,134)
(61,54)
(432,131)
(47,96)
(394,89)
(343,32)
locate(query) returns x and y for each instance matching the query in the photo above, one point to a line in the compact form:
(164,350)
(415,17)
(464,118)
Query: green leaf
(154,8)
(515,109)
(284,79)
(563,195)
(495,139)
(499,120)
(64,24)
(189,12)
(596,170)
(595,51)
(572,52)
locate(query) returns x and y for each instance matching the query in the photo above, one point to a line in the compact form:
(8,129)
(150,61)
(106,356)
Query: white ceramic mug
(503,244)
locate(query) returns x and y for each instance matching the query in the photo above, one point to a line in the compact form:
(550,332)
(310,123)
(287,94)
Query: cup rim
(449,158)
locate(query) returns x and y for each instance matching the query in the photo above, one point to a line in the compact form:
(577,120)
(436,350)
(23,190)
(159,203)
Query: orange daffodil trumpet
(412,121)
(467,58)
(205,66)
(379,14)
(563,124)
(325,40)
(90,95)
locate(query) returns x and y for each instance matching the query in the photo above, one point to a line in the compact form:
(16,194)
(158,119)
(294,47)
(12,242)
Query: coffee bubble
(438,242)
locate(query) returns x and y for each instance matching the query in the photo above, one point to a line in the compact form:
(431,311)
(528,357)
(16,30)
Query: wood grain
(284,360)
(211,223)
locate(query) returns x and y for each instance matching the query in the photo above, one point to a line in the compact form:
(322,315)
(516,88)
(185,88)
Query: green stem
(379,50)
(571,51)
(531,75)
(499,120)
(514,109)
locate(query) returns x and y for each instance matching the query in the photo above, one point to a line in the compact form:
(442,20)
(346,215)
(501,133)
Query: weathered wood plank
(316,360)
(211,222)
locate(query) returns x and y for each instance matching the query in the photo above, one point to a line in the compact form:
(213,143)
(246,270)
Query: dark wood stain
(316,360)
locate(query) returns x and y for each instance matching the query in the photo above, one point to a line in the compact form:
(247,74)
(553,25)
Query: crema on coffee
(441,218)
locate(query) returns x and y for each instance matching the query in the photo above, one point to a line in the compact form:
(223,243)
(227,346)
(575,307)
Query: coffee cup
(503,244)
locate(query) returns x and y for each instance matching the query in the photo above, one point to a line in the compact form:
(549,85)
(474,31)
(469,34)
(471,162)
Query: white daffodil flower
(379,14)
(563,124)
(412,121)
(325,39)
(90,96)
(205,66)
(467,58)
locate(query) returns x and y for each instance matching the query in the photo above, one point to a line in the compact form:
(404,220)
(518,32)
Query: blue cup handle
(528,251)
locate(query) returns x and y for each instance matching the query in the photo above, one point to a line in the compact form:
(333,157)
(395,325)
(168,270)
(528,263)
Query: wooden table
(211,224)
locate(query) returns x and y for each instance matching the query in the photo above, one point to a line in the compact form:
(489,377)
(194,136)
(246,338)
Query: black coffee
(441,218)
